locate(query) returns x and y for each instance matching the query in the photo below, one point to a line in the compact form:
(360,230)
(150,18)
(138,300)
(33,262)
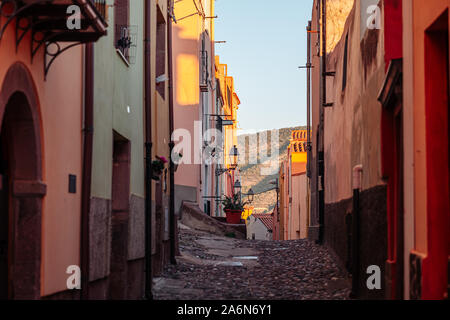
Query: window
(161,53)
(344,68)
(204,73)
(122,38)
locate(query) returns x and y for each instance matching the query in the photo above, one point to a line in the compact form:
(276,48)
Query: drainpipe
(148,154)
(88,135)
(308,97)
(172,220)
(357,184)
(323,104)
(324,53)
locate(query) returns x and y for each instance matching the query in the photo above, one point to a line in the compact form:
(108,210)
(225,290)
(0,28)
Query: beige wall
(299,214)
(257,228)
(352,125)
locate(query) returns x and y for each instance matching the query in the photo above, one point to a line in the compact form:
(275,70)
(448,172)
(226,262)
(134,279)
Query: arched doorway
(22,189)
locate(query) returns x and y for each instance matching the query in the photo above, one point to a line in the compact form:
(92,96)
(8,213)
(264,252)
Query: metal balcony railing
(204,74)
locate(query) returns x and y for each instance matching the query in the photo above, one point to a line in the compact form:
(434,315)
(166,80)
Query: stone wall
(372,235)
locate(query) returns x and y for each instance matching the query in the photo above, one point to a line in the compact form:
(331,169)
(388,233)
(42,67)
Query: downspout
(357,184)
(323,104)
(308,97)
(324,53)
(172,220)
(148,154)
(88,137)
(308,126)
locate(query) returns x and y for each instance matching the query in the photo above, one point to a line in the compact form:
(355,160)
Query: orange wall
(60,99)
(429,11)
(434,281)
(230,108)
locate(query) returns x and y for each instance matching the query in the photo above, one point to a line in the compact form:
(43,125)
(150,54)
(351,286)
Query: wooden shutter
(121,17)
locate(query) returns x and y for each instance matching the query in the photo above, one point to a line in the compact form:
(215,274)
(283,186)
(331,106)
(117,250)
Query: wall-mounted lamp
(234,157)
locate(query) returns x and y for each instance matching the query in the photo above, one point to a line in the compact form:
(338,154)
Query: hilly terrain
(259,176)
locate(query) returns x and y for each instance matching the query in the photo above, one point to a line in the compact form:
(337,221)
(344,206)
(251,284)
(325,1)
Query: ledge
(125,60)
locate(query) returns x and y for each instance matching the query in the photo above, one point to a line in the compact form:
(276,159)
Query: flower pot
(156,176)
(233,216)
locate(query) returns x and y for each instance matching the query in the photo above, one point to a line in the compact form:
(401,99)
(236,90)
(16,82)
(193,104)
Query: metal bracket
(21,31)
(23,14)
(16,12)
(52,56)
(220,172)
(307,66)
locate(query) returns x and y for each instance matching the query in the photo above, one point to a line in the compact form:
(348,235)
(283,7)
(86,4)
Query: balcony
(52,22)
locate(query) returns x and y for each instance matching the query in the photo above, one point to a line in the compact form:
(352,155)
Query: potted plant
(158,166)
(233,207)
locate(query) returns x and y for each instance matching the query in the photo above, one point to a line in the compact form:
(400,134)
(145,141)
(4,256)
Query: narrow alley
(219,268)
(224,150)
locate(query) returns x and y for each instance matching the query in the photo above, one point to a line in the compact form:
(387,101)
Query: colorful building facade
(292,220)
(80,125)
(376,133)
(227,110)
(41,123)
(348,189)
(425,108)
(194,101)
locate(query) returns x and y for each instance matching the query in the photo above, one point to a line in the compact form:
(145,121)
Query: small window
(122,38)
(344,68)
(161,53)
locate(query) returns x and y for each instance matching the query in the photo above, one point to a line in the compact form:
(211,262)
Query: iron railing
(204,71)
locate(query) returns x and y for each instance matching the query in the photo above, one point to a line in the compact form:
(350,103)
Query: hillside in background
(254,175)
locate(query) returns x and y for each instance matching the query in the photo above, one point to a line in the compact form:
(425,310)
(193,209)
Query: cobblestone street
(218,268)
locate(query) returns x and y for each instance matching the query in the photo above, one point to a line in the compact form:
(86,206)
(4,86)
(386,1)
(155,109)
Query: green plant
(234,203)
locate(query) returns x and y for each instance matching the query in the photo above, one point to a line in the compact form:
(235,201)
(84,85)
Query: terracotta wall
(431,242)
(60,110)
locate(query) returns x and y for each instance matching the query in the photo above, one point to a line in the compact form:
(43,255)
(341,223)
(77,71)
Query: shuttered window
(121,20)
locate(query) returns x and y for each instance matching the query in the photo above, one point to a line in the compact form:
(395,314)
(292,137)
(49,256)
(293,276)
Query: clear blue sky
(266,42)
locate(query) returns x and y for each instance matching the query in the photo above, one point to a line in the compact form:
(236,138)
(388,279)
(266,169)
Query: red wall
(393,30)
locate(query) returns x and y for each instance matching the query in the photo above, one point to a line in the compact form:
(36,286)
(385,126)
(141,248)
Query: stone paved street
(217,268)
